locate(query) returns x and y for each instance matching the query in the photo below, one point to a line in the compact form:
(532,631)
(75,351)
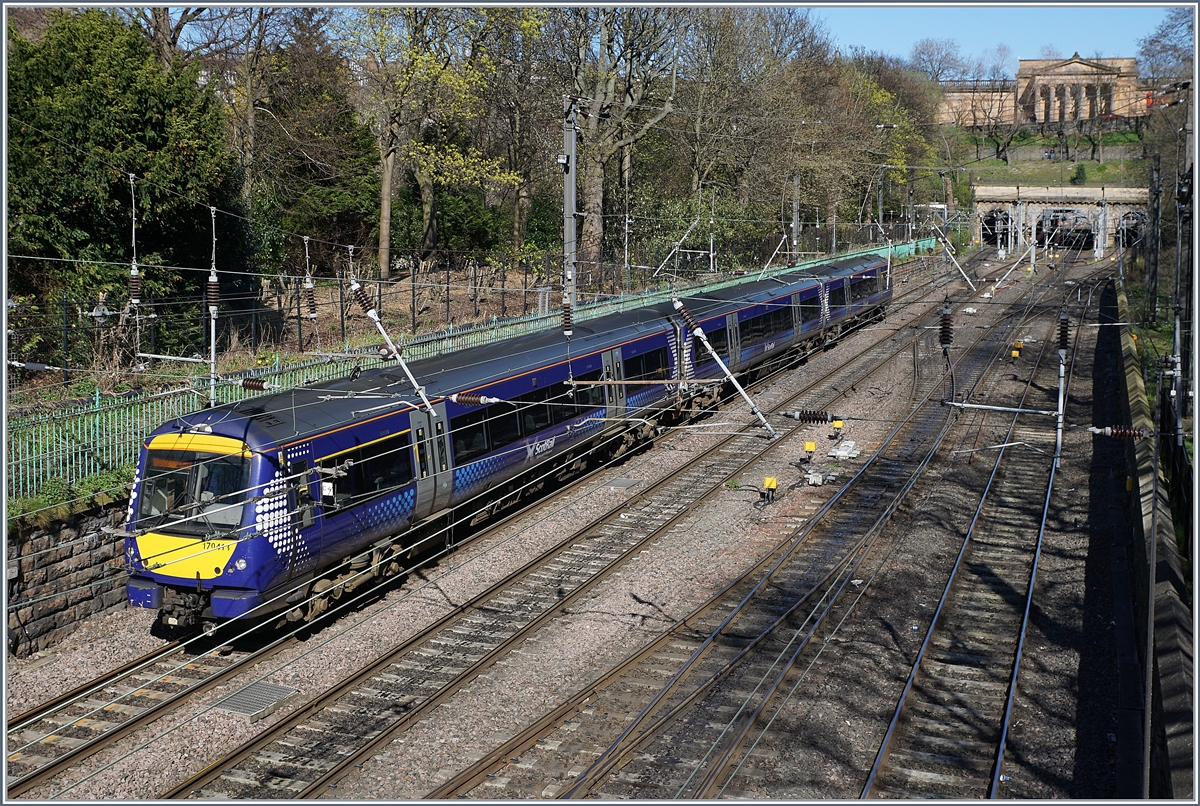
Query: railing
(74,443)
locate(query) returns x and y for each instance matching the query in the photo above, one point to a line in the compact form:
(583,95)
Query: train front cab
(198,548)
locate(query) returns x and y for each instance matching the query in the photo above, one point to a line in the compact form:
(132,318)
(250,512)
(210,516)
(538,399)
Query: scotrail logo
(538,448)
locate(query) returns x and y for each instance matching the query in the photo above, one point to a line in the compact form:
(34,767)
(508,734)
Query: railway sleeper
(956,761)
(956,783)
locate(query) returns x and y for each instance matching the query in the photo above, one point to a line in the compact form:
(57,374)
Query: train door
(613,371)
(735,341)
(307,514)
(431,460)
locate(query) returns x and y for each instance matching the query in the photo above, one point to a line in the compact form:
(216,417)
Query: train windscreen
(191,492)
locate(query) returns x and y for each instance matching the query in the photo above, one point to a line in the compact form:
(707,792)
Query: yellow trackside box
(810,447)
(838,424)
(770,483)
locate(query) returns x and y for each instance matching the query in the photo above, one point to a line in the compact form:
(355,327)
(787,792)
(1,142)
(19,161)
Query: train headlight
(240,564)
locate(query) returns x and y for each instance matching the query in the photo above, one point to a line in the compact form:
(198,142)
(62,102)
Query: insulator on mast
(388,354)
(813,416)
(1064,328)
(311,295)
(946,335)
(255,384)
(135,286)
(566,314)
(212,292)
(361,296)
(1119,431)
(472,399)
(686,314)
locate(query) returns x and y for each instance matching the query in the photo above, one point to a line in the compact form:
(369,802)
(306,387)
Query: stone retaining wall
(61,575)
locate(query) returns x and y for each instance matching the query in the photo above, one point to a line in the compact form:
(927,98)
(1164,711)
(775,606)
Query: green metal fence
(74,443)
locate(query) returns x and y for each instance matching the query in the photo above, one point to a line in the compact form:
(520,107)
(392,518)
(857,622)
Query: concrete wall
(61,575)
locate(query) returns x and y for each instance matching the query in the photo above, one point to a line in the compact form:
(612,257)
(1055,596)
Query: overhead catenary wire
(332,637)
(347,604)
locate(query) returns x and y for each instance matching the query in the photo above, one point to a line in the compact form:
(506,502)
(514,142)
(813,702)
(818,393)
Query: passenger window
(504,425)
(376,469)
(654,365)
(837,297)
(719,339)
(562,404)
(383,466)
(535,416)
(469,432)
(588,396)
(810,309)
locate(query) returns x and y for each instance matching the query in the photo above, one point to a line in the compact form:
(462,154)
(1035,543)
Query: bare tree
(622,64)
(732,91)
(238,44)
(164,28)
(30,23)
(937,58)
(1167,52)
(992,65)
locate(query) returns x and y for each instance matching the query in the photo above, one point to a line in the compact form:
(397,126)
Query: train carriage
(261,506)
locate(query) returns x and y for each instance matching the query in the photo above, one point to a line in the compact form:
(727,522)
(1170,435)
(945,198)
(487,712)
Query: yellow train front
(217,529)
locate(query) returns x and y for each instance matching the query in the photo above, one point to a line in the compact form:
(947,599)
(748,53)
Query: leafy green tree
(421,77)
(316,160)
(89,105)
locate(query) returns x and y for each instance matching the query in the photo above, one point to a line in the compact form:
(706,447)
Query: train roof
(319,406)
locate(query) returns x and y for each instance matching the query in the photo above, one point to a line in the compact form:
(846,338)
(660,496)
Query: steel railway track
(728,649)
(56,735)
(301,756)
(947,737)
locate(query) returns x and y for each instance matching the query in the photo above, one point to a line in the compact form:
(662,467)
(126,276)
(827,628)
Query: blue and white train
(276,504)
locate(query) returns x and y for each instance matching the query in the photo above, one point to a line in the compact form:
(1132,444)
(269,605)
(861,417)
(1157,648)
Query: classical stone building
(1047,91)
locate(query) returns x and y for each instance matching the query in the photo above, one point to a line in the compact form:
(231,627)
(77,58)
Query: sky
(1088,29)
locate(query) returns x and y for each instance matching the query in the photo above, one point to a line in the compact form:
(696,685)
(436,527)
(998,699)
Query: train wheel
(319,601)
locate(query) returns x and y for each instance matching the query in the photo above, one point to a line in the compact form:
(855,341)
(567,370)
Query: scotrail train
(276,504)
